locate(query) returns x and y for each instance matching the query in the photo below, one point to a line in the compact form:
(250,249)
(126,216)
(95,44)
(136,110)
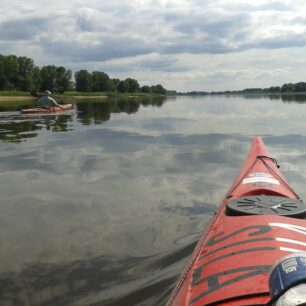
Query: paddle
(59,106)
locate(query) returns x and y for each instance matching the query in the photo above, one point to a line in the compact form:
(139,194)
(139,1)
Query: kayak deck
(61,107)
(259,221)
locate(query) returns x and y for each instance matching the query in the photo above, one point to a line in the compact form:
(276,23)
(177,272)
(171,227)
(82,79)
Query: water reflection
(96,112)
(107,214)
(15,127)
(285,97)
(91,282)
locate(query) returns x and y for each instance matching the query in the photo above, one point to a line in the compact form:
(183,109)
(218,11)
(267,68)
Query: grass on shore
(105,94)
(14,93)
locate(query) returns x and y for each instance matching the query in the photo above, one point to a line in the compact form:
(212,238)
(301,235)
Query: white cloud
(161,40)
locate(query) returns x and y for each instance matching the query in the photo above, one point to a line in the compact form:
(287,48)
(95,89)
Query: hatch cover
(266,205)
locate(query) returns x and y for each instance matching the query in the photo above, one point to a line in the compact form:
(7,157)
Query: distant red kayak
(59,108)
(258,222)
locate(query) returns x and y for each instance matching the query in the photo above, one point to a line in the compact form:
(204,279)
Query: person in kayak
(46,101)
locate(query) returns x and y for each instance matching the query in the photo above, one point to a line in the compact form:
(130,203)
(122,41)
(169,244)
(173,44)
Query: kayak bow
(259,221)
(54,109)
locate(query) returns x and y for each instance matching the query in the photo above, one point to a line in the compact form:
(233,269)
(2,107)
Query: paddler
(46,101)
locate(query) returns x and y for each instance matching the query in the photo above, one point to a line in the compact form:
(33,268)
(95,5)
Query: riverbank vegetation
(19,74)
(288,88)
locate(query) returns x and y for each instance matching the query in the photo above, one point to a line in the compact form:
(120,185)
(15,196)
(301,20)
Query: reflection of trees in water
(97,112)
(13,130)
(287,98)
(58,123)
(15,106)
(16,131)
(294,98)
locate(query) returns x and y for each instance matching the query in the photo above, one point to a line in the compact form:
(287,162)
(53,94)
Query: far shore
(59,98)
(86,97)
(8,98)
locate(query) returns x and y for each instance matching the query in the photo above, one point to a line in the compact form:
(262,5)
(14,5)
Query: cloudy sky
(182,44)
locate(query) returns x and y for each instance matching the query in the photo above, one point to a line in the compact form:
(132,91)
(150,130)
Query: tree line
(21,74)
(286,88)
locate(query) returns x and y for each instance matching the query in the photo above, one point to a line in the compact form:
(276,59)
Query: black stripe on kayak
(213,280)
(261,229)
(251,250)
(235,244)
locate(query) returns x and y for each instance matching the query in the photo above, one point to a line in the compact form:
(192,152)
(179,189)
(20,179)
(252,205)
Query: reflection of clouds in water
(120,190)
(80,200)
(92,195)
(290,152)
(217,114)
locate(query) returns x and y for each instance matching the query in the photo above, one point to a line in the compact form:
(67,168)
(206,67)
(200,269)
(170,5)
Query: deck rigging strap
(263,158)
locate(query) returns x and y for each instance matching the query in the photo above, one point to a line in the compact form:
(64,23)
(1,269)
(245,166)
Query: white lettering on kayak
(251,180)
(290,241)
(290,250)
(290,227)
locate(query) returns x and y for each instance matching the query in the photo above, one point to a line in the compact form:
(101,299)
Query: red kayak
(59,108)
(259,222)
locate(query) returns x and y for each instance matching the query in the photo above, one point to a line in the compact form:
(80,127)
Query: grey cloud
(207,32)
(108,48)
(93,34)
(210,31)
(22,29)
(284,41)
(187,45)
(221,25)
(167,64)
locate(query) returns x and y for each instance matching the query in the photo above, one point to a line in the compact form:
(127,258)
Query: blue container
(287,272)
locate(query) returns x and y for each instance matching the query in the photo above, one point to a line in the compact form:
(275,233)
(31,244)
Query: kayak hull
(233,258)
(39,110)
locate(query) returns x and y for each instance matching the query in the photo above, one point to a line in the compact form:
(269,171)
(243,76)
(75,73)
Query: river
(103,204)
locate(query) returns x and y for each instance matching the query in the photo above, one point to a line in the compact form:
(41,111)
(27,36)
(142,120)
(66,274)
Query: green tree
(110,86)
(300,87)
(274,89)
(62,80)
(83,81)
(116,83)
(158,89)
(99,81)
(2,73)
(36,80)
(145,89)
(48,77)
(132,84)
(25,74)
(123,86)
(11,69)
(287,87)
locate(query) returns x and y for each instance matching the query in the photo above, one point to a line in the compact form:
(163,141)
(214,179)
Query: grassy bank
(14,93)
(105,94)
(24,98)
(76,94)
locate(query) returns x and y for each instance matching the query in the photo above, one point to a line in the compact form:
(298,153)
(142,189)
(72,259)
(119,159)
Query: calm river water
(102,205)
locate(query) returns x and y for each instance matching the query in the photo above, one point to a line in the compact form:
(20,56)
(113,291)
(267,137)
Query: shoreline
(76,97)
(7,98)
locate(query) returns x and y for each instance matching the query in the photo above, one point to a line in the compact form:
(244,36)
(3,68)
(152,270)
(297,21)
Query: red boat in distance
(259,222)
(39,110)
